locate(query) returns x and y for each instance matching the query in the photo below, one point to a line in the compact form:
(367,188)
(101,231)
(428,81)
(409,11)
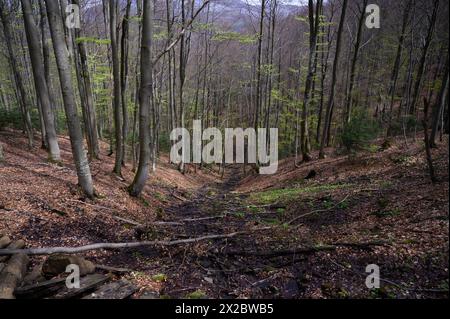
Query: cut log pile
(48,280)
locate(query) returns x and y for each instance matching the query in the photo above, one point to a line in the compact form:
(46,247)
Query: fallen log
(4,241)
(87,284)
(74,250)
(40,290)
(12,275)
(121,289)
(17,244)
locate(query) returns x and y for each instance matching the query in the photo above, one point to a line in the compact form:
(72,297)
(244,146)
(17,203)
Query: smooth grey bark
(31,31)
(314,20)
(124,48)
(329,111)
(46,56)
(136,93)
(145,98)
(86,95)
(117,88)
(65,76)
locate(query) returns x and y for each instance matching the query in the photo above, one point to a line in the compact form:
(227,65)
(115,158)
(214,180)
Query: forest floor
(298,237)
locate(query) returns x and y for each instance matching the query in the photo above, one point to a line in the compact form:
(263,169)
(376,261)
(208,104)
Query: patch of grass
(286,194)
(159,277)
(239,214)
(198,294)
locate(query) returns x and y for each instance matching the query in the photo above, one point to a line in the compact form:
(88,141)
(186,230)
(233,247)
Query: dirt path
(212,268)
(276,263)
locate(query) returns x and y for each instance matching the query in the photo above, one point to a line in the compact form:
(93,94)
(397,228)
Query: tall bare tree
(330,105)
(145,98)
(113,8)
(65,77)
(349,98)
(40,81)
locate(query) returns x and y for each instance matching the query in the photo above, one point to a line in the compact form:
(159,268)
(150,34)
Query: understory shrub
(357,134)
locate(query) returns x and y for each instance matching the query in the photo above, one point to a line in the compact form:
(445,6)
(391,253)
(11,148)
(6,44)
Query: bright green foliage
(287,194)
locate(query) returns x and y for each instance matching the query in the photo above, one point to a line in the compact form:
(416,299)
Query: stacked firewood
(49,279)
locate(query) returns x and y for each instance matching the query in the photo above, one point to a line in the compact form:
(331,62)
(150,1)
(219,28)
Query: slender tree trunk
(124,45)
(46,57)
(423,58)
(145,98)
(396,69)
(329,111)
(427,141)
(324,70)
(65,75)
(440,105)
(113,4)
(86,95)
(258,64)
(313,31)
(349,99)
(137,84)
(40,81)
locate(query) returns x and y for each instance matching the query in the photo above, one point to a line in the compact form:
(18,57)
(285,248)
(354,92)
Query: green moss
(287,194)
(198,294)
(159,277)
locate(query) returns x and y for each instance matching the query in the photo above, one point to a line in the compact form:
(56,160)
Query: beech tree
(145,98)
(117,95)
(40,81)
(65,77)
